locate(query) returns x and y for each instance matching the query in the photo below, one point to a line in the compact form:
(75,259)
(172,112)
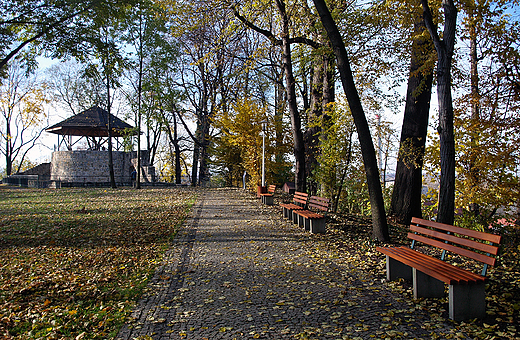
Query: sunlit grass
(73,261)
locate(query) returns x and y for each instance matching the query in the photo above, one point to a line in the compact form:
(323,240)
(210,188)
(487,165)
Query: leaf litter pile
(73,261)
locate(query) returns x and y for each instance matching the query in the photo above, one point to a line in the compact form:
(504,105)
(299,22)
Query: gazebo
(89,166)
(91,124)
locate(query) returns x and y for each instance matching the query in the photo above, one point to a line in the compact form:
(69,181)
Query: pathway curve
(237,270)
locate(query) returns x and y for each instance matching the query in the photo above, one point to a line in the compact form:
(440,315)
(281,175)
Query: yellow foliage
(242,129)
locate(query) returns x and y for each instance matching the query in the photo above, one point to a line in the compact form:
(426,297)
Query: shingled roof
(91,123)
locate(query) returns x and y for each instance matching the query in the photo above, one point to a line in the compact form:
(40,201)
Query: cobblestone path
(237,270)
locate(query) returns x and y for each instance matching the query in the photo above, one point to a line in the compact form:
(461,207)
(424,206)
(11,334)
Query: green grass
(74,261)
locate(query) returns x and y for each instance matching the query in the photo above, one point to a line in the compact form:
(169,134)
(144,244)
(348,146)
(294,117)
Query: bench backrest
(271,189)
(476,245)
(319,203)
(300,198)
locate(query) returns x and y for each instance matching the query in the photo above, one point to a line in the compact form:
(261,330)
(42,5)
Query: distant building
(288,187)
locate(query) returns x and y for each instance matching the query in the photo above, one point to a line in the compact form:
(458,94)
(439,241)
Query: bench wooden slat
(464,302)
(291,206)
(300,198)
(308,214)
(458,240)
(270,191)
(434,267)
(454,249)
(462,231)
(320,203)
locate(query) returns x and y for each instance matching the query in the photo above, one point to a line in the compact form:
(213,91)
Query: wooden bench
(299,203)
(429,274)
(268,198)
(311,220)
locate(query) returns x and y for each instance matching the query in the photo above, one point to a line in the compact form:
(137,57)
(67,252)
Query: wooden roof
(91,123)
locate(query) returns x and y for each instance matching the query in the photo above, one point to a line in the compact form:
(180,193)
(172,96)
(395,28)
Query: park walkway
(237,270)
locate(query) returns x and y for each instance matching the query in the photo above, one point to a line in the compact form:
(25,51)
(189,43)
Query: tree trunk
(174,140)
(299,146)
(329,93)
(311,135)
(8,148)
(139,92)
(406,196)
(196,155)
(204,156)
(379,223)
(278,116)
(178,170)
(109,128)
(475,105)
(444,50)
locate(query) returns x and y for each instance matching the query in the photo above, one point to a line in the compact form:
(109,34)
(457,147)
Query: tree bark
(444,48)
(406,196)
(379,223)
(109,128)
(139,93)
(196,155)
(204,155)
(473,168)
(178,170)
(299,146)
(311,135)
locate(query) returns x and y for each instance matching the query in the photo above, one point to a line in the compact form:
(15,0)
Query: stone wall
(43,171)
(85,166)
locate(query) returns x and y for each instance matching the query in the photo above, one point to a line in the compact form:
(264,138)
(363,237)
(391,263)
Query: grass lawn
(73,261)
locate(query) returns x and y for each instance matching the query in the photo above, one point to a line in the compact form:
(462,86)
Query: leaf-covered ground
(73,261)
(351,235)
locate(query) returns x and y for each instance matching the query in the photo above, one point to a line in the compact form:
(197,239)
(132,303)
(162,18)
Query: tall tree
(445,48)
(406,196)
(290,84)
(379,223)
(22,101)
(146,33)
(486,115)
(285,39)
(101,50)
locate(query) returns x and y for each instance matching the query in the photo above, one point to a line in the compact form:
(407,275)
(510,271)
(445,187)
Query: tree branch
(432,28)
(49,28)
(186,126)
(269,35)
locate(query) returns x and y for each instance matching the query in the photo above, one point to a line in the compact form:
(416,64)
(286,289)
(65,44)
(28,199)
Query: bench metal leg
(467,301)
(317,225)
(294,217)
(300,221)
(396,269)
(306,223)
(426,286)
(286,212)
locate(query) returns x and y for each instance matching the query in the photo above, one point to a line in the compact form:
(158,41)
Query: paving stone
(238,270)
